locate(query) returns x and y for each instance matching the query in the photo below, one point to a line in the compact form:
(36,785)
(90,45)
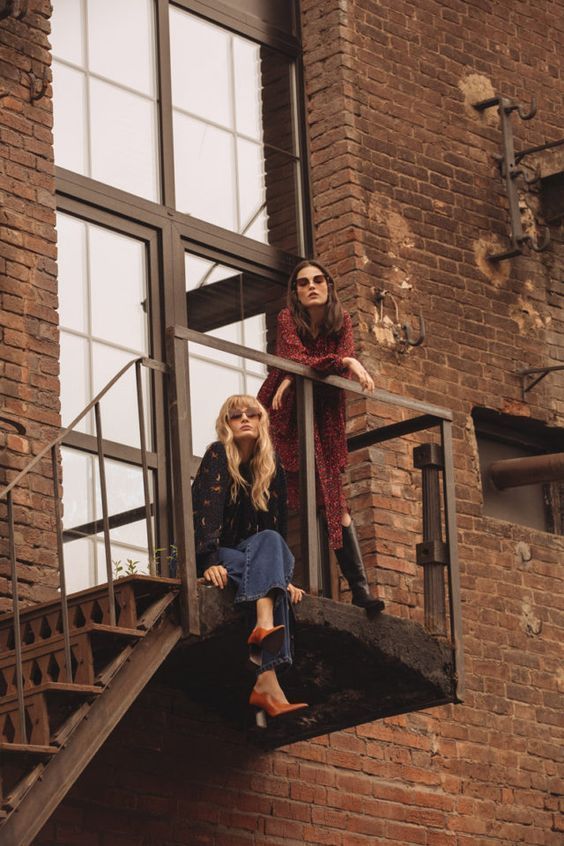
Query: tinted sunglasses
(251,413)
(303,281)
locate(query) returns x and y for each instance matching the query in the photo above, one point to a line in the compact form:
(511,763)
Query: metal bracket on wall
(402,332)
(532,378)
(14,8)
(510,171)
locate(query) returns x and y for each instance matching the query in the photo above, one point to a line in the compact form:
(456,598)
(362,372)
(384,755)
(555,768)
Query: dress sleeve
(290,345)
(209,494)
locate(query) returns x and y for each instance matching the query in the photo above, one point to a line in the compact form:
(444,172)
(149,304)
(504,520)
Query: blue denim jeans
(260,565)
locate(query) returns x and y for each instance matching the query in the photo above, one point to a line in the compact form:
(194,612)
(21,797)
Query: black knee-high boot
(352,568)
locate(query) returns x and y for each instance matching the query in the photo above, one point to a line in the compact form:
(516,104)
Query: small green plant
(122,570)
(170,557)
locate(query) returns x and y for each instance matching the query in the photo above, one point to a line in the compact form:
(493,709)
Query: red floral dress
(325,354)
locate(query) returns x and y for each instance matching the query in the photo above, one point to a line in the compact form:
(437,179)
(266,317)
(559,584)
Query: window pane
(117,282)
(254,336)
(79,565)
(75,384)
(124,143)
(119,406)
(77,489)
(66,31)
(203,160)
(252,197)
(73,294)
(125,492)
(120,42)
(210,385)
(234,132)
(200,68)
(247,88)
(69,118)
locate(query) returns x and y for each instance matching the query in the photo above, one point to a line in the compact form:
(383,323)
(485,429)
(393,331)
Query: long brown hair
(263,464)
(333,317)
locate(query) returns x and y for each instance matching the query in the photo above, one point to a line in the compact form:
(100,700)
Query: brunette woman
(315,330)
(240,516)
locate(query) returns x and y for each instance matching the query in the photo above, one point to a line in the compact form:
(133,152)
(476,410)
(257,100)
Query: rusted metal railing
(52,450)
(439,517)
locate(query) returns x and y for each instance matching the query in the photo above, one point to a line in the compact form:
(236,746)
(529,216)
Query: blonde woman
(240,515)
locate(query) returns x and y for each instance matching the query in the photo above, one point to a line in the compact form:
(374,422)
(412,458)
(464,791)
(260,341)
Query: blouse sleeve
(209,494)
(290,345)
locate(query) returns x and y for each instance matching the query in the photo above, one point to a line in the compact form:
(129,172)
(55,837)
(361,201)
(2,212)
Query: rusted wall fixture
(510,171)
(402,332)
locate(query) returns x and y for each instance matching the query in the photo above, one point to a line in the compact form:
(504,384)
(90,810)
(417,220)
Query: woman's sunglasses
(303,281)
(251,413)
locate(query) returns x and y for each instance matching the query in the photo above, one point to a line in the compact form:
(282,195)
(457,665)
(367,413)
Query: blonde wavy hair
(263,464)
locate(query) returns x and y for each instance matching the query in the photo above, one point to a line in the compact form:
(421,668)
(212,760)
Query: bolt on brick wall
(29,355)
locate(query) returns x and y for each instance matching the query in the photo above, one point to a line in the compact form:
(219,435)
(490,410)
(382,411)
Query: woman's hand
(278,396)
(296,594)
(217,575)
(358,372)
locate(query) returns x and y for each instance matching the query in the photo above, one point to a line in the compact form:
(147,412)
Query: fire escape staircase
(67,712)
(70,669)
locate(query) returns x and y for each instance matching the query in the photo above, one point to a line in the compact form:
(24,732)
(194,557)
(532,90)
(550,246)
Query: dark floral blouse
(218,521)
(324,353)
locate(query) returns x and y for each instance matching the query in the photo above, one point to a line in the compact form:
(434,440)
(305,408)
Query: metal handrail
(7,494)
(435,554)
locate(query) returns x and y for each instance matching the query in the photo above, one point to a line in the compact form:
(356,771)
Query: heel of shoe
(260,719)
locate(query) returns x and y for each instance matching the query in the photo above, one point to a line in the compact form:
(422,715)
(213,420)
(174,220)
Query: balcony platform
(352,669)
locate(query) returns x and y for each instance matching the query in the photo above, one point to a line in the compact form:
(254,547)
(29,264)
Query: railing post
(308,511)
(61,560)
(432,553)
(16,607)
(453,569)
(145,469)
(181,433)
(105,515)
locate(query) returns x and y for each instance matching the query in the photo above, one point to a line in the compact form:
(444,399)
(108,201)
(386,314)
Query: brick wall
(28,292)
(406,197)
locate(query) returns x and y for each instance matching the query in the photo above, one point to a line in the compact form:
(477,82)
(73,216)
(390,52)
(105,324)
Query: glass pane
(120,42)
(203,161)
(77,488)
(253,384)
(210,385)
(79,565)
(252,197)
(247,88)
(73,294)
(232,333)
(75,382)
(119,406)
(125,491)
(66,31)
(69,118)
(254,336)
(200,68)
(118,285)
(124,139)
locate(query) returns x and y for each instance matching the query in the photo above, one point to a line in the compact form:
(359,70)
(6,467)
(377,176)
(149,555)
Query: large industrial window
(179,148)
